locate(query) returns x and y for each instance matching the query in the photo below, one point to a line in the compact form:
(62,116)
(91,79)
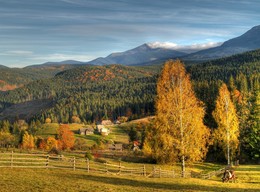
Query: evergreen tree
(251,139)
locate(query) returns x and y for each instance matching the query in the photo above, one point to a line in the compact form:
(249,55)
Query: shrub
(55,151)
(88,156)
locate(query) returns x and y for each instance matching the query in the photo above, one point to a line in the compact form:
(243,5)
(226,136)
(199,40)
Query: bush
(100,160)
(89,156)
(55,151)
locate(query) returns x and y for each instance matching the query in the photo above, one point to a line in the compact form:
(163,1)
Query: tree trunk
(227,124)
(183,166)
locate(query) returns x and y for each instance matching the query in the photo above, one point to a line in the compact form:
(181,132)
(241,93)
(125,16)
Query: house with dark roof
(86,131)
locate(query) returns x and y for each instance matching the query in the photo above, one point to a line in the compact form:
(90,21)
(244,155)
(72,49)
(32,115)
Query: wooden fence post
(88,165)
(154,171)
(12,159)
(119,171)
(160,173)
(106,167)
(47,161)
(144,171)
(74,164)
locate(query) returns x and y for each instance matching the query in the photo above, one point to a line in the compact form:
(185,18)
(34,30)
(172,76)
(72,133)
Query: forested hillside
(242,75)
(90,92)
(241,72)
(12,78)
(96,92)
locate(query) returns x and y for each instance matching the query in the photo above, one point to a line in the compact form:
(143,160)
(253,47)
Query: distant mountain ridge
(246,42)
(3,67)
(138,55)
(159,52)
(51,64)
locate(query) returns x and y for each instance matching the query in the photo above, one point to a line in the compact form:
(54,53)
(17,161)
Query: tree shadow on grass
(252,168)
(154,185)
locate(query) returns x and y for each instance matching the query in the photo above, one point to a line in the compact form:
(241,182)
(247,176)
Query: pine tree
(251,139)
(178,133)
(227,133)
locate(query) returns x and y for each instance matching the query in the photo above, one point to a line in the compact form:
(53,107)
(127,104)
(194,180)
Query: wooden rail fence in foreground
(21,160)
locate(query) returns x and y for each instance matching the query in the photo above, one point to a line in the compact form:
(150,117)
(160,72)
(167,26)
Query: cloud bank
(185,48)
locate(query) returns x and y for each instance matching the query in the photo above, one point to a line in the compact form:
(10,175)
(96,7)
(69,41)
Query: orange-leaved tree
(66,137)
(178,132)
(226,135)
(48,144)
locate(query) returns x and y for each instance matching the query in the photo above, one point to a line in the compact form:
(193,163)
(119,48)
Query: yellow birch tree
(28,141)
(227,133)
(178,133)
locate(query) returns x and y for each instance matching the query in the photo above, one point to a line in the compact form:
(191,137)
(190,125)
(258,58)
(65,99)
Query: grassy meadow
(118,134)
(66,180)
(24,179)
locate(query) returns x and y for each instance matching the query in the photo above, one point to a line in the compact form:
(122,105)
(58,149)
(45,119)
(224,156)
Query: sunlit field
(66,180)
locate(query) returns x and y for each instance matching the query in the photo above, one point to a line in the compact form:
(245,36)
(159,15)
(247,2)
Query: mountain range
(154,52)
(148,53)
(138,55)
(246,42)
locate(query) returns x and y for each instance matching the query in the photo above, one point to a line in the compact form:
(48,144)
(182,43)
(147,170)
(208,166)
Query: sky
(38,31)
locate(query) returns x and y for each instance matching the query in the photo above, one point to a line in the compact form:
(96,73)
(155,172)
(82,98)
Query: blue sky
(37,31)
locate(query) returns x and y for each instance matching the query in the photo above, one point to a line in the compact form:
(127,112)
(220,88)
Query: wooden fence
(161,173)
(21,160)
(213,173)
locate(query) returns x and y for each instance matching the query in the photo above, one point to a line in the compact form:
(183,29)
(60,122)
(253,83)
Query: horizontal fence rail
(21,160)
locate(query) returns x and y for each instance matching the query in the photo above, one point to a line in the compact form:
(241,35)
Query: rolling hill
(104,73)
(89,88)
(12,78)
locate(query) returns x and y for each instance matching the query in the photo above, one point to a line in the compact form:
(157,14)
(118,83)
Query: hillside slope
(12,78)
(96,92)
(89,92)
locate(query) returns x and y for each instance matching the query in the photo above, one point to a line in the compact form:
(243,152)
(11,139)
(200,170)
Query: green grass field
(65,180)
(118,134)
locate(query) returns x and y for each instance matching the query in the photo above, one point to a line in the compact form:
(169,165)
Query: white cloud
(17,53)
(201,46)
(166,45)
(62,57)
(185,48)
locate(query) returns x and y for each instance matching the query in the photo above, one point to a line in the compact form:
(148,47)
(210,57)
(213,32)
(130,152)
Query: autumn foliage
(226,135)
(28,141)
(178,133)
(66,138)
(49,144)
